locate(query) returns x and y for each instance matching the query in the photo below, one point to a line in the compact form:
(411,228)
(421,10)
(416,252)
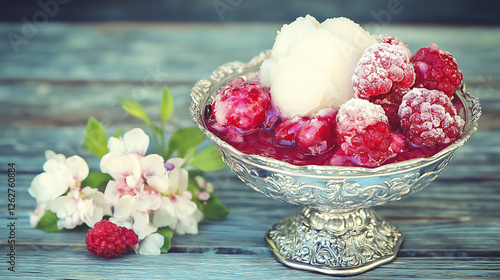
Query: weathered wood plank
(77,265)
(441,220)
(187,52)
(463,12)
(50,103)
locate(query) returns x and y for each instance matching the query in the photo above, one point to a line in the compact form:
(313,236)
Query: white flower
(155,173)
(179,176)
(77,207)
(135,141)
(133,212)
(60,175)
(151,245)
(126,172)
(205,188)
(146,192)
(179,213)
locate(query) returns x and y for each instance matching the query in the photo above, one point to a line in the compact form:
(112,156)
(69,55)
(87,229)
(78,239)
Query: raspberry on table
(428,117)
(393,40)
(108,240)
(364,133)
(436,69)
(382,67)
(242,105)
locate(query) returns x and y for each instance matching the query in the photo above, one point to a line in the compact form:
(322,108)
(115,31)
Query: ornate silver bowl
(335,232)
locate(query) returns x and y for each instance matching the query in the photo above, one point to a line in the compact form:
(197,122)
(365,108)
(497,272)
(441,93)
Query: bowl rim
(206,89)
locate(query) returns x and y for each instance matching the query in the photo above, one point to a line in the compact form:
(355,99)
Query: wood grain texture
(69,72)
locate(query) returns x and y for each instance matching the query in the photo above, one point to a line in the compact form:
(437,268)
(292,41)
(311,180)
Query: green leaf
(135,109)
(183,139)
(96,180)
(167,105)
(48,222)
(167,234)
(208,160)
(96,140)
(118,133)
(214,209)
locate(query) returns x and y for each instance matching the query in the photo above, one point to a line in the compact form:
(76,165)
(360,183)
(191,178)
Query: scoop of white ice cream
(310,66)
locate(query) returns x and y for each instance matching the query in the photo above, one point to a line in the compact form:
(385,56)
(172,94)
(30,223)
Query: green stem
(155,138)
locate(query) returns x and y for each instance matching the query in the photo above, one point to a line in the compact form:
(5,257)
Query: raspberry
(436,69)
(382,67)
(108,240)
(317,135)
(393,40)
(364,132)
(429,118)
(243,105)
(286,132)
(310,135)
(390,103)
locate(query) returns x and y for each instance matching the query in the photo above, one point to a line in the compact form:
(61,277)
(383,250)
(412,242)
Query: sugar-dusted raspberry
(382,67)
(393,40)
(108,240)
(243,105)
(429,118)
(364,132)
(313,135)
(390,103)
(436,69)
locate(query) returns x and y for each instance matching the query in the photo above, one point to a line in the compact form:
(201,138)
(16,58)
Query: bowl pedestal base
(334,243)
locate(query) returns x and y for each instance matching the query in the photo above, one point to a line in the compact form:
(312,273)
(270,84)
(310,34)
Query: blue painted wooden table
(57,77)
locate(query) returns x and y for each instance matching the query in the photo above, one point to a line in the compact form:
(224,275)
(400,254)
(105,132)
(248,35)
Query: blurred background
(478,12)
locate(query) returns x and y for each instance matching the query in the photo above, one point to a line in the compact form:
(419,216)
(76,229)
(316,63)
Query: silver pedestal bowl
(336,232)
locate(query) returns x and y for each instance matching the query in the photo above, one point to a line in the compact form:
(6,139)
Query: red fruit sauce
(309,140)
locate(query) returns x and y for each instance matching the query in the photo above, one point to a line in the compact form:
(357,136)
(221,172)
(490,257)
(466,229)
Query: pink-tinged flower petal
(152,166)
(111,193)
(98,201)
(177,162)
(124,207)
(147,201)
(179,176)
(203,196)
(141,226)
(134,142)
(190,225)
(151,245)
(135,183)
(116,146)
(79,168)
(159,184)
(188,195)
(183,180)
(165,215)
(57,157)
(47,186)
(119,166)
(122,223)
(67,211)
(184,207)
